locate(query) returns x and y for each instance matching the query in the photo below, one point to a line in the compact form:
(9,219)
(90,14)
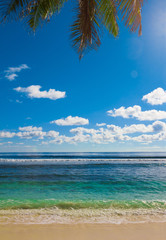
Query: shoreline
(145,231)
(50,216)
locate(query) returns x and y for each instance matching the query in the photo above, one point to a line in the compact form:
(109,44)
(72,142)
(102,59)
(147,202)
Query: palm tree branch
(85,29)
(131,14)
(12,8)
(108,14)
(33,11)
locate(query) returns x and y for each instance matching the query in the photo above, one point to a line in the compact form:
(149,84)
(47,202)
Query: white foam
(81,160)
(54,215)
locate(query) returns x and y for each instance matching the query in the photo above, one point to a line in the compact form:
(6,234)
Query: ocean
(82,187)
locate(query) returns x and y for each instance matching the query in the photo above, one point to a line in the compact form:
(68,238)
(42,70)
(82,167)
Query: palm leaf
(108,14)
(89,16)
(42,11)
(85,29)
(131,14)
(33,11)
(11,8)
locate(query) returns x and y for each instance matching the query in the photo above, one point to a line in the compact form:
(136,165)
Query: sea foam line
(81,160)
(54,215)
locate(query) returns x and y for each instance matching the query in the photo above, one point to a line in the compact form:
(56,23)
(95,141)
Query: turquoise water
(83,182)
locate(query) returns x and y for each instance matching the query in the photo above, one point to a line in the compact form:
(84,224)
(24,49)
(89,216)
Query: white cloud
(150,138)
(136,112)
(70,121)
(80,138)
(30,128)
(115,133)
(11,71)
(157,126)
(52,134)
(33,91)
(156,97)
(18,101)
(11,77)
(152,132)
(134,128)
(4,134)
(30,134)
(100,124)
(99,136)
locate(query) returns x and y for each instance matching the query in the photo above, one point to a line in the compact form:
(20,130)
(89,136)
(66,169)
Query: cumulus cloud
(112,133)
(72,140)
(10,73)
(30,128)
(6,134)
(115,133)
(35,132)
(156,97)
(70,121)
(99,136)
(134,128)
(81,130)
(33,91)
(100,124)
(52,134)
(150,138)
(136,112)
(157,126)
(30,134)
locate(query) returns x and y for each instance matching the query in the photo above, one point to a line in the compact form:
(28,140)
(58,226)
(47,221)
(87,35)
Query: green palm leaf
(85,29)
(108,14)
(131,14)
(90,15)
(42,11)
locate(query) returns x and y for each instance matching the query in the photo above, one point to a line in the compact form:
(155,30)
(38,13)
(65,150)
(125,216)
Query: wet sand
(144,231)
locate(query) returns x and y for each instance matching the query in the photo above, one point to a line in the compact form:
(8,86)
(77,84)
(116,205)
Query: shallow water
(87,187)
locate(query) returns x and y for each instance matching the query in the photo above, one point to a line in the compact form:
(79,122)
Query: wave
(52,203)
(98,212)
(79,160)
(81,156)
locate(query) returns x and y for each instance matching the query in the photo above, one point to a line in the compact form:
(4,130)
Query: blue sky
(103,87)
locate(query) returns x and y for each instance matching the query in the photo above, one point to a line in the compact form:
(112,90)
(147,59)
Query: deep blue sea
(82,187)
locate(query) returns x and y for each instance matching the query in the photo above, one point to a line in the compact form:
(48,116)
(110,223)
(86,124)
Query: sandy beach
(145,231)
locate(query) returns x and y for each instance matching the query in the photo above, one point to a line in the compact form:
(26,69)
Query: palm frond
(85,29)
(89,16)
(34,12)
(108,14)
(42,11)
(10,9)
(131,14)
